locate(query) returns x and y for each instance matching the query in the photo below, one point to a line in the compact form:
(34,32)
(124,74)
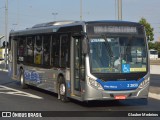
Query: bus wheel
(62,89)
(22,80)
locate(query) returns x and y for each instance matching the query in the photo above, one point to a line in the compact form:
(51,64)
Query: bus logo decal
(32,76)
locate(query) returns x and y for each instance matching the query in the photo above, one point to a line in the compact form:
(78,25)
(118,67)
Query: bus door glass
(78,65)
(14,50)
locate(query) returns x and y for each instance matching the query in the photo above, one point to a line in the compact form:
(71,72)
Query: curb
(154,95)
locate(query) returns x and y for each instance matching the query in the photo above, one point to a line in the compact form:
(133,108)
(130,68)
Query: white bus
(153,54)
(94,60)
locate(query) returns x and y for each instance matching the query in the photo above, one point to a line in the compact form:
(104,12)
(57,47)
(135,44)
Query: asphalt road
(13,98)
(155,80)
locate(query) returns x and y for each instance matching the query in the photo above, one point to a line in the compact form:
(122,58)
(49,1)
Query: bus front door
(14,64)
(75,66)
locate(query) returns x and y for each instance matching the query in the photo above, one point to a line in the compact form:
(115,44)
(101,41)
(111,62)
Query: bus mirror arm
(85,46)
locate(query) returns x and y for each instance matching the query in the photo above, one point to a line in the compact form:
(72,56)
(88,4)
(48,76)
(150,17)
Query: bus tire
(22,80)
(62,90)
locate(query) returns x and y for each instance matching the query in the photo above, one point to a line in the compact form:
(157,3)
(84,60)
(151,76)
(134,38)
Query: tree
(151,45)
(157,47)
(148,28)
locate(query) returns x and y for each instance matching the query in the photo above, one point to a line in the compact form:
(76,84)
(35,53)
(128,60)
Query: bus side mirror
(85,45)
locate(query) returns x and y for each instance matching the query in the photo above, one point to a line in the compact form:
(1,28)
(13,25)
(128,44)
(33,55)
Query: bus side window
(21,49)
(64,51)
(38,50)
(30,50)
(46,50)
(55,51)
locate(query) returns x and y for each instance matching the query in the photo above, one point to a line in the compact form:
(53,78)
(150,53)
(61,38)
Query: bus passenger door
(14,57)
(76,66)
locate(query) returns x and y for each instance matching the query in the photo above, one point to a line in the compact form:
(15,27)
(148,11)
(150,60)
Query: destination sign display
(114,29)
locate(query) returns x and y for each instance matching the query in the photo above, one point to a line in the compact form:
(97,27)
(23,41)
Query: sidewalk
(155,69)
(154,89)
(154,92)
(3,70)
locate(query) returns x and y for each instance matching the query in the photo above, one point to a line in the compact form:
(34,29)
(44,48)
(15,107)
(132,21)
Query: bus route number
(132,85)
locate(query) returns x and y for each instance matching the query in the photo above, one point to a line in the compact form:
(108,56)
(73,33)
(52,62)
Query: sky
(26,13)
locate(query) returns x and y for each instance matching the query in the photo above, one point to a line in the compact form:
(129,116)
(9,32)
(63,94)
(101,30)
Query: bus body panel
(42,78)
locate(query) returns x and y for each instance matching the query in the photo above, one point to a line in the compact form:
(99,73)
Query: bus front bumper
(92,93)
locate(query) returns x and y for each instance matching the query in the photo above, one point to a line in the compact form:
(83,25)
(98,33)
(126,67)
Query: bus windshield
(118,55)
(154,52)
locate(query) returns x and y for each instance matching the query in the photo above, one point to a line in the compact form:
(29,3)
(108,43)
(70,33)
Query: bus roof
(153,50)
(113,22)
(56,25)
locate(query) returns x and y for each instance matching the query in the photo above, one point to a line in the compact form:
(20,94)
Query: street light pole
(115,9)
(119,9)
(81,10)
(6,31)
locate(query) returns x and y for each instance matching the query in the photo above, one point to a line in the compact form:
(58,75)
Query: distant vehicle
(94,60)
(2,54)
(153,54)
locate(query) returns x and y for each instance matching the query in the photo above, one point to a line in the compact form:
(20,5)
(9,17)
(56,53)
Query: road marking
(4,70)
(11,91)
(154,95)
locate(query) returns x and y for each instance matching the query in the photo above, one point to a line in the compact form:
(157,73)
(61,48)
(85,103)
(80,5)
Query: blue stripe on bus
(120,85)
(69,86)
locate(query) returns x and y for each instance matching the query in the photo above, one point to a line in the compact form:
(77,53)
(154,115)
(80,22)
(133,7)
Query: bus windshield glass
(118,54)
(154,52)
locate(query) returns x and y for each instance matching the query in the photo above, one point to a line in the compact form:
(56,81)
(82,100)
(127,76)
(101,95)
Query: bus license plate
(120,97)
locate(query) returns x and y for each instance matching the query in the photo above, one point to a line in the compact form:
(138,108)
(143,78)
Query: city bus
(153,54)
(2,54)
(92,60)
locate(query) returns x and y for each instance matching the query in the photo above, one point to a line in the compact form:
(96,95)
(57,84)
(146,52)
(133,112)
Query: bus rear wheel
(62,90)
(22,80)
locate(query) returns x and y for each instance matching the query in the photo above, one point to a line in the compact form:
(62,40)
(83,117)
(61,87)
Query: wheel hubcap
(21,79)
(62,89)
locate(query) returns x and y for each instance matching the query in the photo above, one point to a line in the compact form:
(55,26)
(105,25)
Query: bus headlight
(144,83)
(95,84)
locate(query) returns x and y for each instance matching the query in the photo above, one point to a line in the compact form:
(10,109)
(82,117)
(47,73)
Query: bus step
(76,97)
